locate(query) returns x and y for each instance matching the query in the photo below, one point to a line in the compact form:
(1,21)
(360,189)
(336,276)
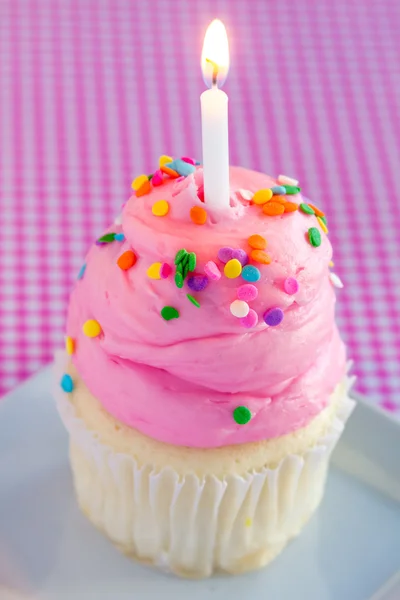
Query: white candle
(214,116)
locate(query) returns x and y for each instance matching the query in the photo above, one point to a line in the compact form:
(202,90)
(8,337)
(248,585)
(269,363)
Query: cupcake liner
(190,525)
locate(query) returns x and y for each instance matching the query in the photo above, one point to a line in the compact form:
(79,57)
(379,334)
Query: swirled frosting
(180,381)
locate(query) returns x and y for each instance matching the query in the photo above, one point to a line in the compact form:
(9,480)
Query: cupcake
(204,383)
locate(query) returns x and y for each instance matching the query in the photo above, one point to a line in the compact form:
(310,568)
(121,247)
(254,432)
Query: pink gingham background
(92,92)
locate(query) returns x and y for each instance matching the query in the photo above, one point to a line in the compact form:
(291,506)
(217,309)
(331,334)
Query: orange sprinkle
(198,215)
(144,189)
(257,241)
(291,207)
(317,211)
(280,199)
(169,171)
(127,260)
(273,209)
(261,257)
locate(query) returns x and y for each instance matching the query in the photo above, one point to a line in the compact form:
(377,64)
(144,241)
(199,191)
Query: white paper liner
(190,525)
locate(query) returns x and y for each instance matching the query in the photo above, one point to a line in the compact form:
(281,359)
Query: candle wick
(215,71)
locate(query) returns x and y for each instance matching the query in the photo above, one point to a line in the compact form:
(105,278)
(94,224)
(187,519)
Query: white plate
(49,551)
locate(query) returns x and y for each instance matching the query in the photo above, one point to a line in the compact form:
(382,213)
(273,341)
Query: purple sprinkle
(241,255)
(225,254)
(291,285)
(250,320)
(247,292)
(273,316)
(198,283)
(99,243)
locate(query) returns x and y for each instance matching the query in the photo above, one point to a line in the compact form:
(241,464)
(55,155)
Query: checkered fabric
(92,92)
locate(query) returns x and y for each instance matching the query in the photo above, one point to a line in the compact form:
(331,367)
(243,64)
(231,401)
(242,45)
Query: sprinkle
(262,196)
(157,178)
(189,160)
(239,308)
(280,199)
(200,193)
(192,261)
(257,242)
(197,283)
(127,260)
(165,270)
(225,254)
(139,181)
(322,224)
(278,190)
(291,189)
(212,271)
(168,171)
(180,255)
(241,256)
(154,271)
(144,189)
(178,280)
(248,522)
(250,321)
(182,167)
(233,268)
(291,286)
(81,271)
(314,237)
(273,209)
(260,256)
(107,238)
(291,207)
(247,292)
(306,208)
(316,210)
(160,208)
(193,300)
(66,383)
(119,237)
(331,263)
(180,268)
(91,328)
(69,345)
(164,159)
(242,415)
(198,215)
(273,316)
(246,194)
(251,273)
(169,312)
(336,281)
(285,180)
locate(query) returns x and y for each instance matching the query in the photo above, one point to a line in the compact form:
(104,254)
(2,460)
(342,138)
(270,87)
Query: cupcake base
(196,511)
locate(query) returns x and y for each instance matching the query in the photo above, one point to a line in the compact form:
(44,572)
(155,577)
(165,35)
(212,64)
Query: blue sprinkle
(251,273)
(197,163)
(180,166)
(66,383)
(278,190)
(119,237)
(82,271)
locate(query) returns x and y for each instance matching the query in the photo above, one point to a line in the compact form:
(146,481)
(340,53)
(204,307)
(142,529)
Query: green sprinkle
(169,312)
(323,219)
(193,300)
(150,177)
(185,271)
(180,255)
(108,237)
(179,279)
(179,267)
(314,237)
(291,189)
(242,415)
(192,261)
(307,209)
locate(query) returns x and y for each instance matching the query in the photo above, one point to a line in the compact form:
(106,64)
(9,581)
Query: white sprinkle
(335,280)
(239,308)
(246,194)
(285,180)
(118,220)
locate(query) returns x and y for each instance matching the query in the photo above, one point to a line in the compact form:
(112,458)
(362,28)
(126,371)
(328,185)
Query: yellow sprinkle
(164,159)
(331,264)
(154,271)
(248,522)
(233,268)
(262,196)
(91,328)
(69,345)
(160,208)
(322,224)
(139,181)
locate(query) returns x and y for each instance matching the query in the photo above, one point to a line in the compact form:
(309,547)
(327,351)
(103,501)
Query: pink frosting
(179,381)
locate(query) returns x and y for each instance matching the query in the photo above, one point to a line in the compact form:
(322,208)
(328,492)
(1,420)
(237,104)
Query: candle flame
(215,54)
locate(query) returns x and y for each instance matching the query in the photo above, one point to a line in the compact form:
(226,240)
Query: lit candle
(214,116)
